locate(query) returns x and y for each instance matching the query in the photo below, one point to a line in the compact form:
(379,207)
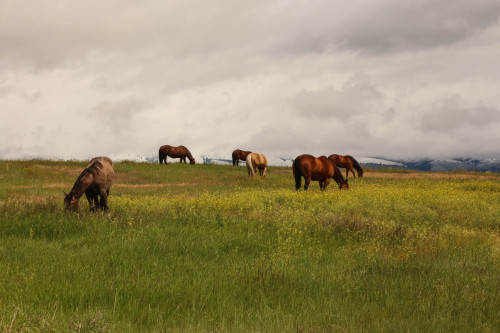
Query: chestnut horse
(320,169)
(256,161)
(240,155)
(175,152)
(95,180)
(348,162)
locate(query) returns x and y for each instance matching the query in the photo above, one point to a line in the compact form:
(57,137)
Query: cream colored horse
(256,161)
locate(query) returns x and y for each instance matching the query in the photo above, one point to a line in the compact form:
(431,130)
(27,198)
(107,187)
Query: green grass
(203,248)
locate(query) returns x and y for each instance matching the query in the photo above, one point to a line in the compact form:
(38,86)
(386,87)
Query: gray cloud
(118,115)
(453,114)
(414,25)
(357,96)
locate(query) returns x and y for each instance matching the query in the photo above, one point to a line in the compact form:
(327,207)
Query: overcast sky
(373,78)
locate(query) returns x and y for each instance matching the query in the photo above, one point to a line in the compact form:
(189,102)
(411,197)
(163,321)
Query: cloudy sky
(385,78)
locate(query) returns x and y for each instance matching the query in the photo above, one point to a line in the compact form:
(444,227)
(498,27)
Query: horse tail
(250,165)
(357,167)
(162,154)
(297,173)
(233,155)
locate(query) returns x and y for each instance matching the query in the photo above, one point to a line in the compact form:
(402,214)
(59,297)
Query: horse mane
(357,166)
(189,156)
(337,172)
(93,169)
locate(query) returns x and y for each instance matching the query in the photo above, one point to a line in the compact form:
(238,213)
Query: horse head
(191,161)
(344,186)
(70,202)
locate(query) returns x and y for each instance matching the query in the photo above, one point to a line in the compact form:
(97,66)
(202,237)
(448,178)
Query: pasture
(205,248)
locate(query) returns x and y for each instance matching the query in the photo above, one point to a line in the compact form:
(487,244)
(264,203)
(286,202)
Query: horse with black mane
(239,155)
(321,169)
(95,181)
(175,152)
(256,161)
(348,162)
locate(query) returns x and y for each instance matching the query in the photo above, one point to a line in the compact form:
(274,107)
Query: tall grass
(203,248)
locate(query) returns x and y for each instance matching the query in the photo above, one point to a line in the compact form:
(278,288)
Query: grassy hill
(204,248)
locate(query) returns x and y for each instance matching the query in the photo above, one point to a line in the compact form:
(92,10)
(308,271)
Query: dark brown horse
(348,162)
(320,169)
(95,180)
(240,155)
(175,152)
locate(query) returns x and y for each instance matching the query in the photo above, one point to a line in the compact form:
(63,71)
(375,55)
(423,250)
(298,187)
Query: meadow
(195,248)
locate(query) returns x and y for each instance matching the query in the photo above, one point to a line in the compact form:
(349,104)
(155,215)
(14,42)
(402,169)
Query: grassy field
(203,248)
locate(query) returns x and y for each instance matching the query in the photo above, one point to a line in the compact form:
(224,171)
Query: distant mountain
(469,164)
(436,165)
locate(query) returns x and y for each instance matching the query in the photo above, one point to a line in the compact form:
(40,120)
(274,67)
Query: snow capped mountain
(379,162)
(490,164)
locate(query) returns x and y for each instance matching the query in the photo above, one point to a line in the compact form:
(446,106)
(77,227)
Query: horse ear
(65,194)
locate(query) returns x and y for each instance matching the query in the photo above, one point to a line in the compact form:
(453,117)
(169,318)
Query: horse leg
(321,184)
(325,184)
(96,202)
(90,199)
(346,172)
(352,171)
(298,180)
(307,182)
(104,200)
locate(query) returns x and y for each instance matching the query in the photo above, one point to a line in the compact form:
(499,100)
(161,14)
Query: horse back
(325,167)
(305,163)
(240,154)
(316,168)
(258,160)
(164,150)
(102,171)
(106,159)
(262,160)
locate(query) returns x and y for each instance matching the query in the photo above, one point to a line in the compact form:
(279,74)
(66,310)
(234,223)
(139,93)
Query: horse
(321,169)
(175,152)
(239,155)
(348,162)
(95,180)
(256,161)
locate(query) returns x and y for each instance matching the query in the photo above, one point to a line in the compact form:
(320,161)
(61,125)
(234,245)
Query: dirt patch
(48,186)
(65,169)
(150,185)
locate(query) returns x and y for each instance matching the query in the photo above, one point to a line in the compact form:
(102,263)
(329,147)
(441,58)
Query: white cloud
(363,78)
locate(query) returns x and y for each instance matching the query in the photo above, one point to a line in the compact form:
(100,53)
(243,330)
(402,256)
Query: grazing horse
(256,161)
(175,152)
(348,162)
(95,180)
(240,155)
(320,169)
